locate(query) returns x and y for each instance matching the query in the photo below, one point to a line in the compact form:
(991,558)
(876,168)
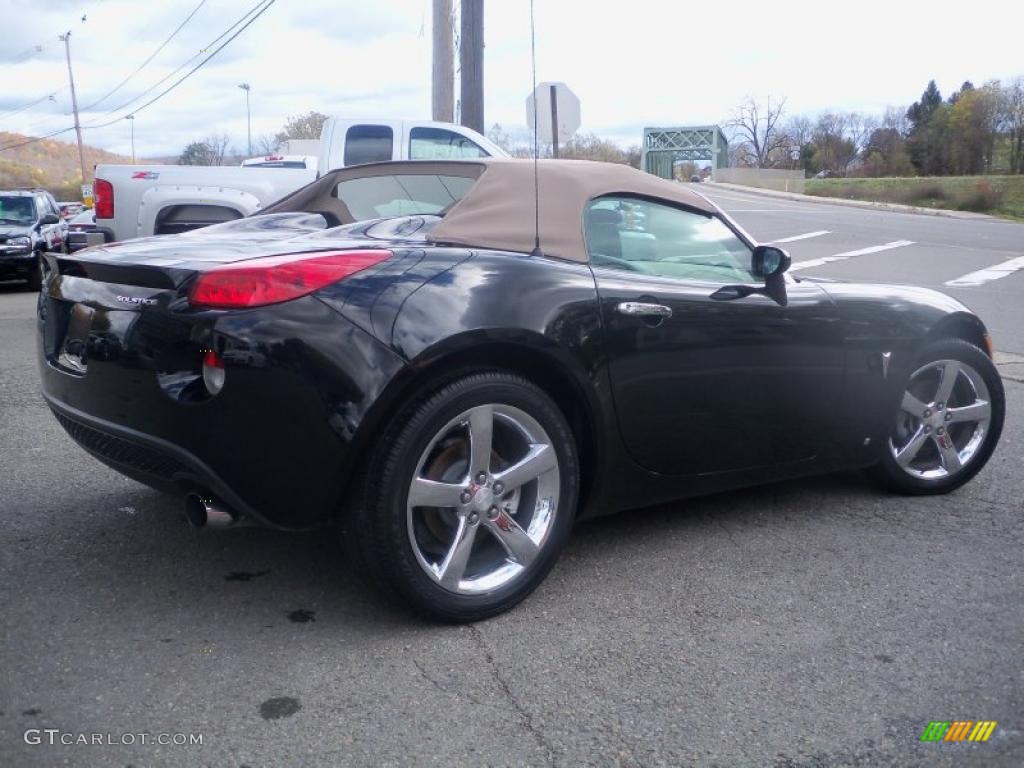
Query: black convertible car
(452,374)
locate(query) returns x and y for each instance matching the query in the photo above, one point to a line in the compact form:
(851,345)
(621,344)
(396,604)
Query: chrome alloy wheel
(483,499)
(943,420)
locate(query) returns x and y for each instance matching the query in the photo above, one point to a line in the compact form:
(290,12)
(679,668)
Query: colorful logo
(958,730)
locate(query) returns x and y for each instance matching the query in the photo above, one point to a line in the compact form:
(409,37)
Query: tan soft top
(498,211)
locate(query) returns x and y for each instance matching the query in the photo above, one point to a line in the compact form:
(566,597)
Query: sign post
(557,110)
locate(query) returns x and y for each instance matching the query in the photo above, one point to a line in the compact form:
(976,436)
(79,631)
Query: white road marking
(805,236)
(849,254)
(773,210)
(989,273)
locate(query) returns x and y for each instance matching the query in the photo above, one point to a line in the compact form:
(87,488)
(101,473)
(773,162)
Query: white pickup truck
(142,200)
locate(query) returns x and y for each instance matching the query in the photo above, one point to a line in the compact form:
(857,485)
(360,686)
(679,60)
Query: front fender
(884,329)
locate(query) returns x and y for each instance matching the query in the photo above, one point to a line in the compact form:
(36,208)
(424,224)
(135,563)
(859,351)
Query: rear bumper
(276,445)
(77,239)
(148,459)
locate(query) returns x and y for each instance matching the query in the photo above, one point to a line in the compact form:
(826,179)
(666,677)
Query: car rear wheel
(471,497)
(949,420)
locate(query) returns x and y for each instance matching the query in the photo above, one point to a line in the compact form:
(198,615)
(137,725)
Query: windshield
(375,197)
(17,210)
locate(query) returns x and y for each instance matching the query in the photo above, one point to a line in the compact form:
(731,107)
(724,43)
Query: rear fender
(160,198)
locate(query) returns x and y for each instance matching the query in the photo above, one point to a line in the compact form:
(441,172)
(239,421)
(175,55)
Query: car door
(703,384)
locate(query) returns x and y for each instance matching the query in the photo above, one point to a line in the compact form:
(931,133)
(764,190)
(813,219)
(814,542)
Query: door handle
(642,309)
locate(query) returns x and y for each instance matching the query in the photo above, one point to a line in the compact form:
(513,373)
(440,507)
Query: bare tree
(209,151)
(218,145)
(265,144)
(895,119)
(760,129)
(1012,109)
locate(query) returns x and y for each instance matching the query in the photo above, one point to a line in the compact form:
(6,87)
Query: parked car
(142,200)
(79,228)
(397,350)
(30,224)
(282,161)
(69,210)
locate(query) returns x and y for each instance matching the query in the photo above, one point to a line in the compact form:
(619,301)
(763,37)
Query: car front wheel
(471,497)
(949,420)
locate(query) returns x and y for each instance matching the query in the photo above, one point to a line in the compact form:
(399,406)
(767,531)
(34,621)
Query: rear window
(368,144)
(440,144)
(375,197)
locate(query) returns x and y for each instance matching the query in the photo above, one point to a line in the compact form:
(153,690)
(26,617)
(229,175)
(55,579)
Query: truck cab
(345,142)
(143,200)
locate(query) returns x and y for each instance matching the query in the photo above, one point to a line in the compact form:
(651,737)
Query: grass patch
(996,195)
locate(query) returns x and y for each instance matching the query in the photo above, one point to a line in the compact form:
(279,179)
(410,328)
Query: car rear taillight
(103,198)
(274,279)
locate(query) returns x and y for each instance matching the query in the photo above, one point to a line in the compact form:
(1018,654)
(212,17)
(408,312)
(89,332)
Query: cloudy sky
(635,63)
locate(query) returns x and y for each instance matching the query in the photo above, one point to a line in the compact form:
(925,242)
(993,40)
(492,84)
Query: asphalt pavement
(812,623)
(962,257)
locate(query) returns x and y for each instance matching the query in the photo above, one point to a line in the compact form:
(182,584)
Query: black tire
(35,277)
(378,524)
(889,473)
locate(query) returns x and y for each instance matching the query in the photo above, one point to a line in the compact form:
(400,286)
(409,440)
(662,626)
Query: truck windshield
(16,210)
(375,197)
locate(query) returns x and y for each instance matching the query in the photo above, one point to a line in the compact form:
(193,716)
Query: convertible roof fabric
(498,211)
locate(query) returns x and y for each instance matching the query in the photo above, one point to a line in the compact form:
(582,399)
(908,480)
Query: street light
(248,114)
(131,122)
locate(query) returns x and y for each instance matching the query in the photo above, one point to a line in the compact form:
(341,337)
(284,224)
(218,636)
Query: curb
(895,207)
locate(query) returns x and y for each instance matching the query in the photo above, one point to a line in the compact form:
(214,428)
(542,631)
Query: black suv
(30,223)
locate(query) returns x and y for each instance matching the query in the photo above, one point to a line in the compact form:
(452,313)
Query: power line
(142,66)
(37,138)
(188,61)
(259,9)
(14,112)
(197,67)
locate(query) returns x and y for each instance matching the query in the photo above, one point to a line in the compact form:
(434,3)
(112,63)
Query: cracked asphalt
(811,623)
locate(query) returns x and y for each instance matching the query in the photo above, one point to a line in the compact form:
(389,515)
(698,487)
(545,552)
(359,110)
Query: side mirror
(769,262)
(50,218)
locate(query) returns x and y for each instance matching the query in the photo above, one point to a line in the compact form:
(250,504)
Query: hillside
(50,164)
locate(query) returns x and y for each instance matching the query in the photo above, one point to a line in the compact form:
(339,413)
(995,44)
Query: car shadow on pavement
(14,287)
(137,550)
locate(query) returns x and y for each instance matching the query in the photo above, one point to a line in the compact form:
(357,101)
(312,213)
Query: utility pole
(248,115)
(471,62)
(443,74)
(131,122)
(74,104)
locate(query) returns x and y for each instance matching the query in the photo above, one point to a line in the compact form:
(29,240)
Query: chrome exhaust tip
(203,511)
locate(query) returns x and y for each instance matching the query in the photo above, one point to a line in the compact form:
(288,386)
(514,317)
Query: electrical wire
(255,12)
(142,66)
(37,138)
(187,75)
(14,112)
(188,61)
